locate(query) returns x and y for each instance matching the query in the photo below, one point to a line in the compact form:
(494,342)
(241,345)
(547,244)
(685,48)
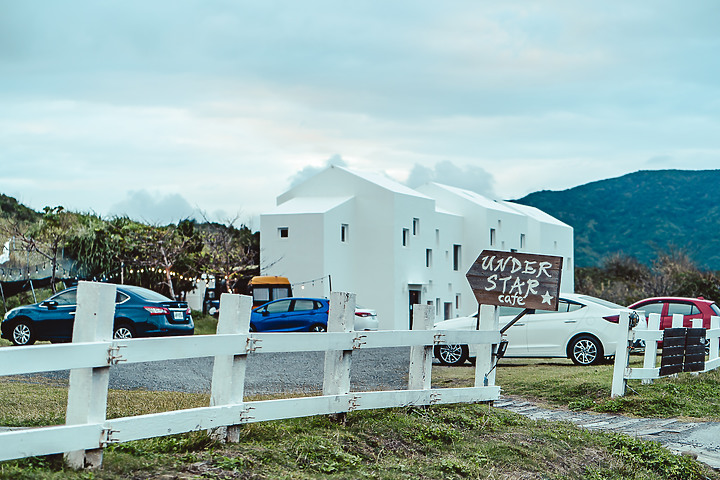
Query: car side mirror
(264,313)
(51,304)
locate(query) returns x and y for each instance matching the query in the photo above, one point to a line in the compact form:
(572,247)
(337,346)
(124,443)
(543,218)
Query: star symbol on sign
(547,298)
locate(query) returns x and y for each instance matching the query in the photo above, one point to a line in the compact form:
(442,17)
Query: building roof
(535,213)
(384,182)
(309,205)
(477,199)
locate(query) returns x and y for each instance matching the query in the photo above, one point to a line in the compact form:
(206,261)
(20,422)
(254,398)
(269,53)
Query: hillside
(639,214)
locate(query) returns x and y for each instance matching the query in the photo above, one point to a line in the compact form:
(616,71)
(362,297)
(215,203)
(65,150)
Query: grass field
(448,442)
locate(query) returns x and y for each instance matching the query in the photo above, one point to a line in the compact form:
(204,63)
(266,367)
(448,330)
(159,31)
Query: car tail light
(612,318)
(157,310)
(188,311)
(363,314)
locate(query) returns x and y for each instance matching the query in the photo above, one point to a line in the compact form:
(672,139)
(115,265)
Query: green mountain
(641,214)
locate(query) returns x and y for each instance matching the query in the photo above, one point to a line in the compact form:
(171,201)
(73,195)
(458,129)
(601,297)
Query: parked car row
(583,329)
(140,312)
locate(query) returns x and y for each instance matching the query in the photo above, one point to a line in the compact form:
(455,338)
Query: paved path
(699,439)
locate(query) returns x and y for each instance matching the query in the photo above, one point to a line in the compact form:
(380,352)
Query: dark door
(414,300)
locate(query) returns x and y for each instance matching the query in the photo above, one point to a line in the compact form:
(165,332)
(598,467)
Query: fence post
(87,394)
(621,356)
(228,378)
(341,318)
(714,345)
(650,358)
(419,377)
(677,320)
(488,319)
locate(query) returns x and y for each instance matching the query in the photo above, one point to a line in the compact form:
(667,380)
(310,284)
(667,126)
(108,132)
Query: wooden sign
(516,279)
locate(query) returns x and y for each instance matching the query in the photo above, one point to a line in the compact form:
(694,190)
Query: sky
(164,110)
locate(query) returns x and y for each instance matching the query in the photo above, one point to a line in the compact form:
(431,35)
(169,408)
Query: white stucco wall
(374,263)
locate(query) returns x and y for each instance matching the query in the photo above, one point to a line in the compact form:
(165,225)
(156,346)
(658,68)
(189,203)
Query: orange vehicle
(267,288)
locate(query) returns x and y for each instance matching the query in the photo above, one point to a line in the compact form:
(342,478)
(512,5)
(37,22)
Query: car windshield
(600,301)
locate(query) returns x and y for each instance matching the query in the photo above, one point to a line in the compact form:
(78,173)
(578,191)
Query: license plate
(178,315)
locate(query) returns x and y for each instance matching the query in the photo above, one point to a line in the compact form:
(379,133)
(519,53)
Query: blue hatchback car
(139,312)
(291,315)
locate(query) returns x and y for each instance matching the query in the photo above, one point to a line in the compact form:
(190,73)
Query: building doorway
(414,298)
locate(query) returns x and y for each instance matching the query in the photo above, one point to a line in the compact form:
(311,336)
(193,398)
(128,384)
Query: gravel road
(267,373)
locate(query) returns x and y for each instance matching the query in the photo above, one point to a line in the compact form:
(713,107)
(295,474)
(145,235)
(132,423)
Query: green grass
(448,442)
(557,382)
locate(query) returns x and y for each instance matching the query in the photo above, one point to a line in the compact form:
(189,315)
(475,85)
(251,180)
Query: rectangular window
(344,232)
(448,310)
(457,301)
(456,257)
(492,237)
(522,240)
(405,237)
(283,232)
(416,226)
(428,258)
(437,236)
(438,307)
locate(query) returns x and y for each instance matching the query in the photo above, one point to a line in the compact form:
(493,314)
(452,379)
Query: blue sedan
(139,312)
(291,315)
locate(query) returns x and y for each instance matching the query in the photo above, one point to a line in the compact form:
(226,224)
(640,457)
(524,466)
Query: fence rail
(651,335)
(93,353)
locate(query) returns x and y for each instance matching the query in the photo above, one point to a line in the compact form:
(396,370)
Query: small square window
(283,232)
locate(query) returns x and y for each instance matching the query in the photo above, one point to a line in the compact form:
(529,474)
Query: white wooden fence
(651,335)
(93,352)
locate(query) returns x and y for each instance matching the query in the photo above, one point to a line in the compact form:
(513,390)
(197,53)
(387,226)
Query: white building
(394,246)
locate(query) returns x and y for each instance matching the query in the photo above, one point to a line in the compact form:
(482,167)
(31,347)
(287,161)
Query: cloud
(151,208)
(468,177)
(309,171)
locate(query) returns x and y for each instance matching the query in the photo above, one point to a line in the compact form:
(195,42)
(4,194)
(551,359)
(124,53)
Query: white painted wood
(228,378)
(341,318)
(642,373)
(621,357)
(88,430)
(421,355)
(43,358)
(489,319)
(712,364)
(87,394)
(650,356)
(713,336)
(48,440)
(697,323)
(677,320)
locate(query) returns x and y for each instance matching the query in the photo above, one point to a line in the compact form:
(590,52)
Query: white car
(365,319)
(584,329)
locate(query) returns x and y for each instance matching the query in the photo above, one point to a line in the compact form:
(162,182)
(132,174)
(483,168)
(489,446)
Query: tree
(46,237)
(231,254)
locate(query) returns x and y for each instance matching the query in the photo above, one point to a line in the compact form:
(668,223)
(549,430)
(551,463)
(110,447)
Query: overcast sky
(157,109)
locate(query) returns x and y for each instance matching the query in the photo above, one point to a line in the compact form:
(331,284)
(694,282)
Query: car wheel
(318,328)
(22,333)
(451,355)
(586,350)
(122,331)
